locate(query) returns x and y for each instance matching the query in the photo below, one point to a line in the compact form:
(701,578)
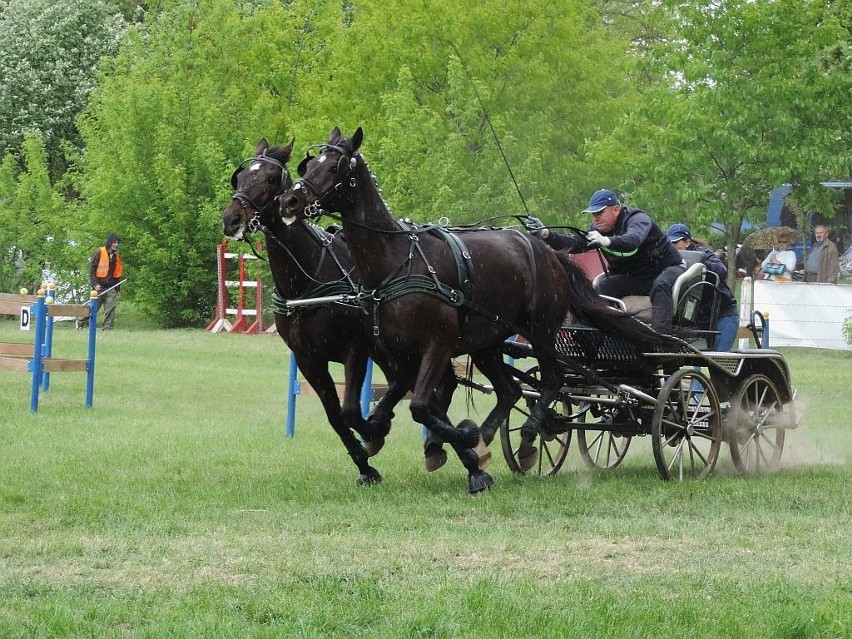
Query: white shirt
(787,258)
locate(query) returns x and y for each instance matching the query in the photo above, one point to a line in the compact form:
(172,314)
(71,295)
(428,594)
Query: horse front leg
(464,438)
(433,448)
(379,419)
(374,428)
(320,380)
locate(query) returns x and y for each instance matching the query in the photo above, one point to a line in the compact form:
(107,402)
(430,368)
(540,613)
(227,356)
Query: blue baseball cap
(601,199)
(678,232)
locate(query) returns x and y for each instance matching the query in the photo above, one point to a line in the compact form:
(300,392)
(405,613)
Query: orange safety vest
(103,265)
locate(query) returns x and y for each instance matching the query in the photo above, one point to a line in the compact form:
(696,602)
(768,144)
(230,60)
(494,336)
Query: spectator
(822,264)
(727,320)
(780,263)
(640,258)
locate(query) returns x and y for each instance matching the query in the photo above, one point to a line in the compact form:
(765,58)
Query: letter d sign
(25,318)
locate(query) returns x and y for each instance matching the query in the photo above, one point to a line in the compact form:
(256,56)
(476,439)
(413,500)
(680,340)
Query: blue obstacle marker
(37,313)
(294,388)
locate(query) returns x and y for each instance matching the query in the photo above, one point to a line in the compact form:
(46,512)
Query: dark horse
(438,294)
(307,263)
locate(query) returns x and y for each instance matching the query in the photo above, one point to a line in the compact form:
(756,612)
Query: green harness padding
(408,284)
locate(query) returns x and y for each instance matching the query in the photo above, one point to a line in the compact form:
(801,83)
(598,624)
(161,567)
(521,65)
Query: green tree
(197,85)
(37,225)
(187,97)
(752,94)
(541,73)
(49,55)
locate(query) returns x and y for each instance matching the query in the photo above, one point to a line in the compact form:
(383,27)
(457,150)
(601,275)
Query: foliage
(38,226)
(49,56)
(846,329)
(753,94)
(524,73)
(162,133)
(725,100)
(196,85)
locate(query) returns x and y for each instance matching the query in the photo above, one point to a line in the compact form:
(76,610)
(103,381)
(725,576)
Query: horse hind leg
(540,413)
(435,456)
(508,391)
(463,439)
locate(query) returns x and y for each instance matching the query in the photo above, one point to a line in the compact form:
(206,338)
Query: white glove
(597,240)
(536,227)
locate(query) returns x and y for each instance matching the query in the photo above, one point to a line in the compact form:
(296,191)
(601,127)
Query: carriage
(425,294)
(690,400)
(690,403)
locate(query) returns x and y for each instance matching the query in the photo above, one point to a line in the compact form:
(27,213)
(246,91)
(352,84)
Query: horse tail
(588,307)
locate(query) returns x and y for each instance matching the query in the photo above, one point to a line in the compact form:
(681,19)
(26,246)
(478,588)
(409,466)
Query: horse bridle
(256,223)
(242,198)
(345,166)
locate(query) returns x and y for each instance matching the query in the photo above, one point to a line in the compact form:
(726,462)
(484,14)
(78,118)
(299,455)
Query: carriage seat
(686,292)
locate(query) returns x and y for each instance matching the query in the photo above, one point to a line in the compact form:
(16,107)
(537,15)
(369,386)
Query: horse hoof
(483,453)
(434,462)
(477,482)
(527,457)
(370,478)
(470,433)
(374,446)
(380,427)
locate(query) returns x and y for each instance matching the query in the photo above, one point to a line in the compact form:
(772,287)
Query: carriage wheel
(552,448)
(600,448)
(757,426)
(686,427)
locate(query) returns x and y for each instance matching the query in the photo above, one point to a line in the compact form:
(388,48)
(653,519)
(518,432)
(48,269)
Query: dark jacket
(639,247)
(727,301)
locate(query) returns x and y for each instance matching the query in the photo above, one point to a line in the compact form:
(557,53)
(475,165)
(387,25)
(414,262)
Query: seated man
(728,320)
(641,259)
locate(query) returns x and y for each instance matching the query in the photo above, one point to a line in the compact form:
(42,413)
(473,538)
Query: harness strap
(396,285)
(280,305)
(464,263)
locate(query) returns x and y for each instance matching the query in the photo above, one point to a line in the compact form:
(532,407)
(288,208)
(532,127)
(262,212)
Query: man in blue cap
(725,318)
(641,260)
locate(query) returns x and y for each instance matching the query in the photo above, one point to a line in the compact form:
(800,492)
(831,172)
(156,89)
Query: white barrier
(240,313)
(805,313)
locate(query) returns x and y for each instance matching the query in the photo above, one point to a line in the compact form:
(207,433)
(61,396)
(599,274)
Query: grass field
(175,507)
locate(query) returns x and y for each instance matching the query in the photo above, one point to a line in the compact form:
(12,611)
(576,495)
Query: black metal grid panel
(592,348)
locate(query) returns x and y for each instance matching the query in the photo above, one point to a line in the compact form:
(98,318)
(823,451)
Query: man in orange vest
(105,277)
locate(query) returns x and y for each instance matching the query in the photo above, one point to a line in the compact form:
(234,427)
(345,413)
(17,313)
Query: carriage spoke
(604,448)
(694,450)
(686,426)
(758,431)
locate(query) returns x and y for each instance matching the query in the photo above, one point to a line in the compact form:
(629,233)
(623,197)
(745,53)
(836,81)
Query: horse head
(257,181)
(321,177)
